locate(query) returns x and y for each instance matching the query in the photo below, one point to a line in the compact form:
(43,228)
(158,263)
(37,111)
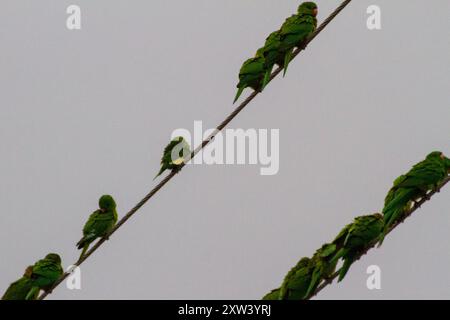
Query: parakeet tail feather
(287,59)
(32,294)
(314,282)
(347,263)
(266,78)
(238,94)
(338,255)
(160,172)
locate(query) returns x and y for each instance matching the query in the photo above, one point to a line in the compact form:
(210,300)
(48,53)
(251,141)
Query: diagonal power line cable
(416,206)
(198,149)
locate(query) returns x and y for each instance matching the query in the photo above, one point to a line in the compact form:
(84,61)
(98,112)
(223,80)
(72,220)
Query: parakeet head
(28,272)
(303,262)
(178,139)
(259,53)
(54,257)
(106,202)
(435,155)
(309,8)
(378,216)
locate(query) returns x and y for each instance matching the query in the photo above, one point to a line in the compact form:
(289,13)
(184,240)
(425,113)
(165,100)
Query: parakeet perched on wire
(273,55)
(354,238)
(100,223)
(296,29)
(408,188)
(251,74)
(297,281)
(175,154)
(44,274)
(272,295)
(322,266)
(20,289)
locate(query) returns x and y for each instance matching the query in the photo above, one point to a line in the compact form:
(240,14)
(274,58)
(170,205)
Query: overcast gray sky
(84,113)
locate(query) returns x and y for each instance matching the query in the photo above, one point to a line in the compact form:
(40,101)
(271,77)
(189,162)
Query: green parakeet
(99,224)
(20,289)
(272,295)
(322,266)
(273,55)
(251,74)
(175,154)
(408,188)
(356,237)
(296,29)
(297,281)
(45,273)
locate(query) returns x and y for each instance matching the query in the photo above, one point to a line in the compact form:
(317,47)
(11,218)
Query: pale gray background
(88,112)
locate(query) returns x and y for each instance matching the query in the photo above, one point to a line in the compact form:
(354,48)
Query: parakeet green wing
(296,282)
(272,295)
(251,75)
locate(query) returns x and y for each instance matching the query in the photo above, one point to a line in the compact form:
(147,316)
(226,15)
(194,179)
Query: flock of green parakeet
(44,273)
(303,279)
(278,49)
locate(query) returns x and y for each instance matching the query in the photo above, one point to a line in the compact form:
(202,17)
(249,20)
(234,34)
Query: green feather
(47,271)
(355,237)
(272,295)
(21,289)
(296,29)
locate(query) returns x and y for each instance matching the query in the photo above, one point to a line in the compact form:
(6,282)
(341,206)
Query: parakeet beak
(315,12)
(442,156)
(103,210)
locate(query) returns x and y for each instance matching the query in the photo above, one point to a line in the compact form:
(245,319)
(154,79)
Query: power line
(204,143)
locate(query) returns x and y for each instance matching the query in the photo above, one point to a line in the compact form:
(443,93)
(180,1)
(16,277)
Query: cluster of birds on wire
(254,73)
(302,280)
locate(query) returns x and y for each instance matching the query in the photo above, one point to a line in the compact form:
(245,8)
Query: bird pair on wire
(278,49)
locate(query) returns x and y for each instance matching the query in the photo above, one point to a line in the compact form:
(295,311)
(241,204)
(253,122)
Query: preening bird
(99,224)
(175,154)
